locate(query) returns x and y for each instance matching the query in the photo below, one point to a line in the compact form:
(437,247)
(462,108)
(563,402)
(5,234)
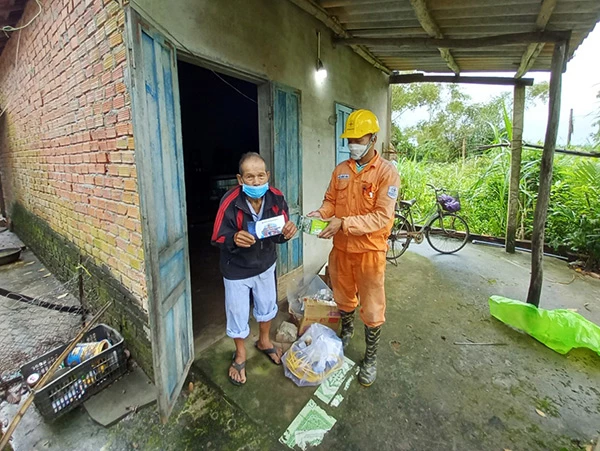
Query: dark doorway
(219,118)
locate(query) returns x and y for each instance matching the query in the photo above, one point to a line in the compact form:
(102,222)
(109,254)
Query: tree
(414,95)
(596,135)
(539,92)
(454,120)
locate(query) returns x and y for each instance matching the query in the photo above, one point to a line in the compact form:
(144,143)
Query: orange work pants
(361,276)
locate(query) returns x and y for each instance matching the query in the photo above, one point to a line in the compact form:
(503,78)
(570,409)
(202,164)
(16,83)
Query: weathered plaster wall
(276,40)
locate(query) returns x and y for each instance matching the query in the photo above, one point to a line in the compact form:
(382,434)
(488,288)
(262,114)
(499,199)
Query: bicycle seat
(407,203)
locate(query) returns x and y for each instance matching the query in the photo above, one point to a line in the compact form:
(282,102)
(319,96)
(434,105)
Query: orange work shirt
(365,201)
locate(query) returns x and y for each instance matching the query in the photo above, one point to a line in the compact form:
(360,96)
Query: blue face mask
(255,192)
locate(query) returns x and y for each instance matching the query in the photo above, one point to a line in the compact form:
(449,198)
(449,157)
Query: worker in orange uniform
(359,205)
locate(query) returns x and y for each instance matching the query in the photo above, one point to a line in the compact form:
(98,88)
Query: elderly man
(359,205)
(248,263)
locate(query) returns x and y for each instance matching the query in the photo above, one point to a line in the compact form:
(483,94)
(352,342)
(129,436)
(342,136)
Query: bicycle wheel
(399,238)
(447,233)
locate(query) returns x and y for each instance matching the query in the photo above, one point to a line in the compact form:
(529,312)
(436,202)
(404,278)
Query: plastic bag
(449,203)
(308,287)
(314,356)
(561,330)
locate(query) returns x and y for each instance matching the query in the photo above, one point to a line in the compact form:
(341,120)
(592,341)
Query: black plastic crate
(81,382)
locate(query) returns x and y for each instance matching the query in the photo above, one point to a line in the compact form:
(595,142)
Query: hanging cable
(8,28)
(177,41)
(233,87)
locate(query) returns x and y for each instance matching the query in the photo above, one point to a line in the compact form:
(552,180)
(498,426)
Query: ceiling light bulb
(321,73)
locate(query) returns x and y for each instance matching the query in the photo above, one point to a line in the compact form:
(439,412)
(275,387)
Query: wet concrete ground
(431,394)
(26,329)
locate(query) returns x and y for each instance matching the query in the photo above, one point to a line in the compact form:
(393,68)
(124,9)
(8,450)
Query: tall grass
(483,184)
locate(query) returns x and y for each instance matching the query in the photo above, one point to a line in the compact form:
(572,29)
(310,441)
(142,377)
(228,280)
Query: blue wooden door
(159,160)
(287,161)
(342,152)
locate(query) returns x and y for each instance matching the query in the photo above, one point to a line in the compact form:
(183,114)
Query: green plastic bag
(561,330)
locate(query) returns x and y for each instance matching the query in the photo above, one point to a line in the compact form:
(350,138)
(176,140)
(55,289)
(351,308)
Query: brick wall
(97,285)
(66,142)
(67,162)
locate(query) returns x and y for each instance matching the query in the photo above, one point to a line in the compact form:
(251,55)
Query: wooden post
(515,168)
(2,207)
(570,135)
(541,208)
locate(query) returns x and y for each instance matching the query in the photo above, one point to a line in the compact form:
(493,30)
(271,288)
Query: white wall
(276,40)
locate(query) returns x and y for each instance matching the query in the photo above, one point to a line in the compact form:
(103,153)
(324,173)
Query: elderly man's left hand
(289,230)
(335,224)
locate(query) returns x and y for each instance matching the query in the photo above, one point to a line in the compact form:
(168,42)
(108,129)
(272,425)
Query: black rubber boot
(347,327)
(368,369)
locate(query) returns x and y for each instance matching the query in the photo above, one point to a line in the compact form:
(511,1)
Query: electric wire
(7,28)
(178,42)
(233,87)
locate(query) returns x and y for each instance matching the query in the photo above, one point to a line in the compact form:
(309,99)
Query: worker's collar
(372,163)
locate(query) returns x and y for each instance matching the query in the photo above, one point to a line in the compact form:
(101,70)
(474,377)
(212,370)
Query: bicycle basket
(449,203)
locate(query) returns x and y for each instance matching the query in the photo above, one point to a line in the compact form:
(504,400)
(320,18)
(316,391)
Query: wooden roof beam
(431,27)
(422,78)
(470,43)
(533,50)
(315,10)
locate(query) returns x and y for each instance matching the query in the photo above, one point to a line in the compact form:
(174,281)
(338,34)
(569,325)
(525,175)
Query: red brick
(119,101)
(122,128)
(72,109)
(130,185)
(115,39)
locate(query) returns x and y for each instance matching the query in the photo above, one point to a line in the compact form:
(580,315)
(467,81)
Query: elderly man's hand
(289,230)
(243,239)
(335,224)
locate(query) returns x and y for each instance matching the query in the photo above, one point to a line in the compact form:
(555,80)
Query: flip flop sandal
(269,352)
(238,367)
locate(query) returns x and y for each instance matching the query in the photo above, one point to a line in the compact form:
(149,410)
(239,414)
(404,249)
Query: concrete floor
(208,308)
(28,331)
(431,394)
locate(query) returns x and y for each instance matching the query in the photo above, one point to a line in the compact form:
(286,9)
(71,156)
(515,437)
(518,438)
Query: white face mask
(357,151)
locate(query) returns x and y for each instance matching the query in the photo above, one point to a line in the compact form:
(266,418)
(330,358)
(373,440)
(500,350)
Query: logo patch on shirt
(393,192)
(343,176)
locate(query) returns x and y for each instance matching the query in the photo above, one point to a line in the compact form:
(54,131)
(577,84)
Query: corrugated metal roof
(461,19)
(10,13)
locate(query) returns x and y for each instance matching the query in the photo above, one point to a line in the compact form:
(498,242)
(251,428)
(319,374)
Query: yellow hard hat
(360,123)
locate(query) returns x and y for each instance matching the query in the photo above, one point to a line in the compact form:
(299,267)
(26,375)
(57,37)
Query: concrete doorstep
(129,394)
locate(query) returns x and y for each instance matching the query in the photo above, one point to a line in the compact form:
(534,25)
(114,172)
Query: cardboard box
(317,312)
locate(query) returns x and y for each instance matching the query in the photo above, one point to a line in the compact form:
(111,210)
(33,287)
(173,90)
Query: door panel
(342,152)
(287,161)
(159,159)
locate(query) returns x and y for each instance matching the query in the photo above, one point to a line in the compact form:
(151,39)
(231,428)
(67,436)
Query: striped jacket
(234,215)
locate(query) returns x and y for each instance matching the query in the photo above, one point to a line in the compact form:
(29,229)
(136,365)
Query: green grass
(483,185)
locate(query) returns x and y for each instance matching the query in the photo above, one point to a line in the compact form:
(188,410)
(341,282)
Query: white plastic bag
(314,356)
(307,287)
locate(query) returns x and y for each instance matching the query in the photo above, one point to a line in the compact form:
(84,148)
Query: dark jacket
(234,215)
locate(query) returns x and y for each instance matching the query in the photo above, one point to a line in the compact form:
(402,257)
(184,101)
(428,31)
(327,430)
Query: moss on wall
(97,288)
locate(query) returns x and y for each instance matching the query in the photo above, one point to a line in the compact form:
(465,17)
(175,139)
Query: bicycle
(445,231)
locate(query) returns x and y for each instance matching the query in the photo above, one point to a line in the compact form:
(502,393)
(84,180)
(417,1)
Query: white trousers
(237,301)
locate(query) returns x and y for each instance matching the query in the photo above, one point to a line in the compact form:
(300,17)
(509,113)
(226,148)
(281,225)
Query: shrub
(483,184)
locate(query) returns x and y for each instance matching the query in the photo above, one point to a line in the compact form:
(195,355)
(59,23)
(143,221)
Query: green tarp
(561,330)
